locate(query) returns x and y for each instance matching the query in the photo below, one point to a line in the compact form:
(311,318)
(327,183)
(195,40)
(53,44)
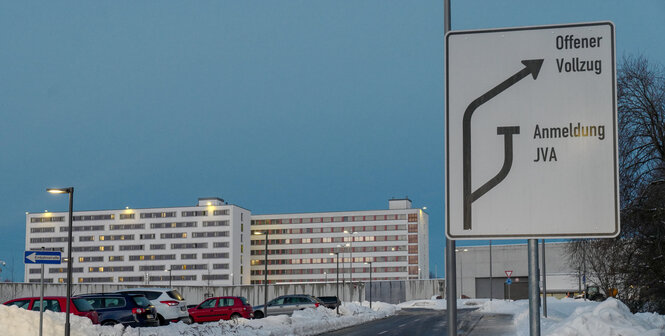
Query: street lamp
(265,276)
(370,283)
(461,273)
(336,254)
(69,191)
(169,270)
(350,245)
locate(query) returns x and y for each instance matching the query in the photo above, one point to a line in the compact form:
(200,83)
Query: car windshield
(244,301)
(174,294)
(141,300)
(82,305)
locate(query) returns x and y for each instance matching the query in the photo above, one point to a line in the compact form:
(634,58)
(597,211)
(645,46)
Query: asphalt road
(415,322)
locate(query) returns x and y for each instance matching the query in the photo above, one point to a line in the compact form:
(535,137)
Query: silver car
(287,304)
(170,305)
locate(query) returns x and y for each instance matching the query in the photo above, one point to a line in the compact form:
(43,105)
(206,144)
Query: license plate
(150,316)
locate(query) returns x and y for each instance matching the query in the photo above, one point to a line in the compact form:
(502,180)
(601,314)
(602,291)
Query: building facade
(206,244)
(304,247)
(212,244)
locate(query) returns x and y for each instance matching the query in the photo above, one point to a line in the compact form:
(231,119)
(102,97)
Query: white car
(169,303)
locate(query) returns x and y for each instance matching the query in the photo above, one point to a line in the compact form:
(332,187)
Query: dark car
(132,310)
(79,307)
(221,308)
(287,304)
(330,301)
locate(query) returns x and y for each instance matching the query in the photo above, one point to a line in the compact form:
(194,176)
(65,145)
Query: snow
(566,317)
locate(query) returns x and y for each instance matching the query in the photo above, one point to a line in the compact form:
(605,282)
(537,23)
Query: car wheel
(109,323)
(235,316)
(162,321)
(258,314)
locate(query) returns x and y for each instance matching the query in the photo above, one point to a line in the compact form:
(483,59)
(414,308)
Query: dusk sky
(275,106)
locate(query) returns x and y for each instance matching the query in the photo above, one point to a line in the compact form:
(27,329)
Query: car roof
(155,289)
(108,294)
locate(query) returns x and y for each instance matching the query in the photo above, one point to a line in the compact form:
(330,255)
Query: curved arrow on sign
(531,67)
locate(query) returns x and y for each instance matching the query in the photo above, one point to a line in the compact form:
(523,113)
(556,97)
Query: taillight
(316,305)
(138,311)
(170,303)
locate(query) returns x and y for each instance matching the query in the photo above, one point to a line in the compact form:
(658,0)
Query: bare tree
(634,262)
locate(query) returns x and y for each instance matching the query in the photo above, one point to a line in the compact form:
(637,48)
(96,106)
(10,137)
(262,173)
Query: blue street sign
(43,257)
(508,281)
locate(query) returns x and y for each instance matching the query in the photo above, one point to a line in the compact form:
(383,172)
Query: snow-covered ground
(566,317)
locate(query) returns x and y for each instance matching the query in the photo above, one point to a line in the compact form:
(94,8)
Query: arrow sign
(508,281)
(531,67)
(43,257)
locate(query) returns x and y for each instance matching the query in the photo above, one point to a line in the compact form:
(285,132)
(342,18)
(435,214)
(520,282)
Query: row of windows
(42,229)
(256,262)
(329,250)
(328,240)
(136,226)
(93,217)
(48,240)
(335,219)
(142,268)
(332,279)
(337,229)
(342,270)
(47,219)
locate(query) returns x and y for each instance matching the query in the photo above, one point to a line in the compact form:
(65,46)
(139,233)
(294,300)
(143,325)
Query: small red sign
(509,273)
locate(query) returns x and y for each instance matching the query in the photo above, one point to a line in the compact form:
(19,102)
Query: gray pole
(451,273)
(491,285)
(337,274)
(534,290)
(70,261)
(41,303)
(265,280)
(544,283)
(370,285)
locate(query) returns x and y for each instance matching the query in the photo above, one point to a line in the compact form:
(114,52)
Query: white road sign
(531,124)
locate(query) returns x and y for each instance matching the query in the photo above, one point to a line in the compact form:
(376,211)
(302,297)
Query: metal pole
(265,280)
(370,285)
(544,283)
(70,261)
(534,290)
(169,278)
(451,286)
(491,285)
(41,303)
(337,274)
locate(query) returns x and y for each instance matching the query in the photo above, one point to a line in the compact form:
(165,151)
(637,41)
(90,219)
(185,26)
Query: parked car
(78,307)
(221,308)
(169,303)
(330,301)
(132,310)
(287,304)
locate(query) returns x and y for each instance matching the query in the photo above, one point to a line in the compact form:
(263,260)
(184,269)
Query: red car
(221,308)
(78,306)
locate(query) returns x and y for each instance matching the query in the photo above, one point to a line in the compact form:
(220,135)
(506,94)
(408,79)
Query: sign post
(531,137)
(42,257)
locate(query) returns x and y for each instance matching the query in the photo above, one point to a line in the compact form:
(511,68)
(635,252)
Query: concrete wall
(386,291)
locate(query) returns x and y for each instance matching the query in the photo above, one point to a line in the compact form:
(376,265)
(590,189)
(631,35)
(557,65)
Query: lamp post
(169,270)
(265,275)
(370,283)
(69,191)
(350,245)
(461,273)
(336,254)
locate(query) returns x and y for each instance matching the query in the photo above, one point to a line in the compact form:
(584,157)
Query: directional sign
(531,124)
(509,273)
(508,281)
(42,257)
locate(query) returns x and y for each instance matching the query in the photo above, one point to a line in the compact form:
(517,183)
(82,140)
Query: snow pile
(584,318)
(18,322)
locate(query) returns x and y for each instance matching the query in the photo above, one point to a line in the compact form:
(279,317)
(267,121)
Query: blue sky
(276,106)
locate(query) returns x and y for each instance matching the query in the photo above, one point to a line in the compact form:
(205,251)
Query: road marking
(383,332)
(402,325)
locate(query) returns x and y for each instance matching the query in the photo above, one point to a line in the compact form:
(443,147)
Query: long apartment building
(206,244)
(210,244)
(304,247)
